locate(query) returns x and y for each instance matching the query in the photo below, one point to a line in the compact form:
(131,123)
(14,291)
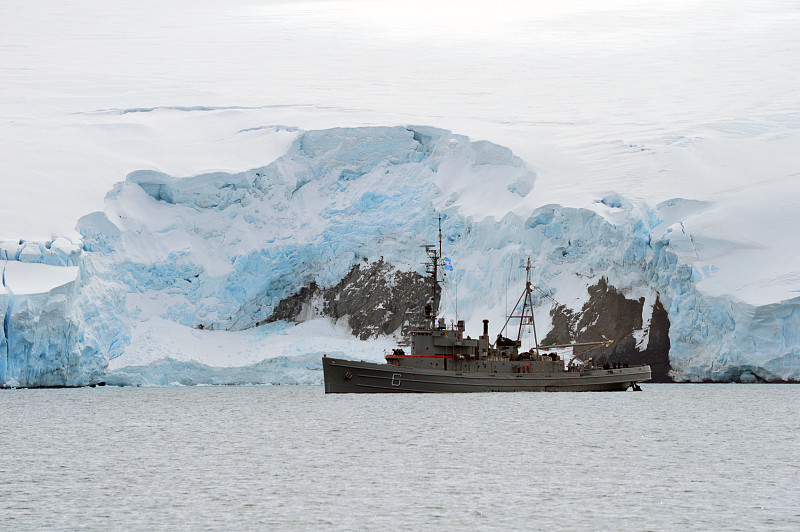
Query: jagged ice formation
(222,257)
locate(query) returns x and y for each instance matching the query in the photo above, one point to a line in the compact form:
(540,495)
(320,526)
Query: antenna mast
(432,268)
(440,235)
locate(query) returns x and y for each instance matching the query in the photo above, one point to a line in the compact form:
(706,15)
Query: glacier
(178,279)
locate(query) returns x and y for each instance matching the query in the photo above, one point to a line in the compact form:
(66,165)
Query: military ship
(443,359)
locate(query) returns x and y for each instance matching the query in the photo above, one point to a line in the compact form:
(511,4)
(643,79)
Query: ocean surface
(711,457)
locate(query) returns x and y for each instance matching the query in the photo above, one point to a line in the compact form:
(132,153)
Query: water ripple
(674,456)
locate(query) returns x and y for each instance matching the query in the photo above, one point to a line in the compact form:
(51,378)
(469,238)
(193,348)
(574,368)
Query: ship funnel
(486,327)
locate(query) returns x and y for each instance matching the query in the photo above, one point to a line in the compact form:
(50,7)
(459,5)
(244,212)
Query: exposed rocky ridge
(608,313)
(291,308)
(657,352)
(374,297)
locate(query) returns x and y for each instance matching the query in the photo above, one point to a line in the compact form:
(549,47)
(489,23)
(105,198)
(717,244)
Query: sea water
(723,457)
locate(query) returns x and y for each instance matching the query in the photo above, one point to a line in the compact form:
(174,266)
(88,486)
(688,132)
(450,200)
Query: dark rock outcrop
(657,352)
(374,296)
(290,308)
(609,314)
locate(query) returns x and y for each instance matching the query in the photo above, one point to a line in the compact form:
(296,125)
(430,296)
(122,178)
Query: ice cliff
(61,323)
(328,236)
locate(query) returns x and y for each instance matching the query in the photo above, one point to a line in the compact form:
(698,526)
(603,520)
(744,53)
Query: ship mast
(524,317)
(432,269)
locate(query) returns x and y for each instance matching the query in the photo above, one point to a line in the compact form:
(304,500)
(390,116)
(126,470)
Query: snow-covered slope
(671,129)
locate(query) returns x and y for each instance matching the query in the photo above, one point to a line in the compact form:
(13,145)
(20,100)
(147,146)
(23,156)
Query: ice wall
(218,252)
(61,323)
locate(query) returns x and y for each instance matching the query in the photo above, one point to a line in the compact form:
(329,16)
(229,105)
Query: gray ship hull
(349,376)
